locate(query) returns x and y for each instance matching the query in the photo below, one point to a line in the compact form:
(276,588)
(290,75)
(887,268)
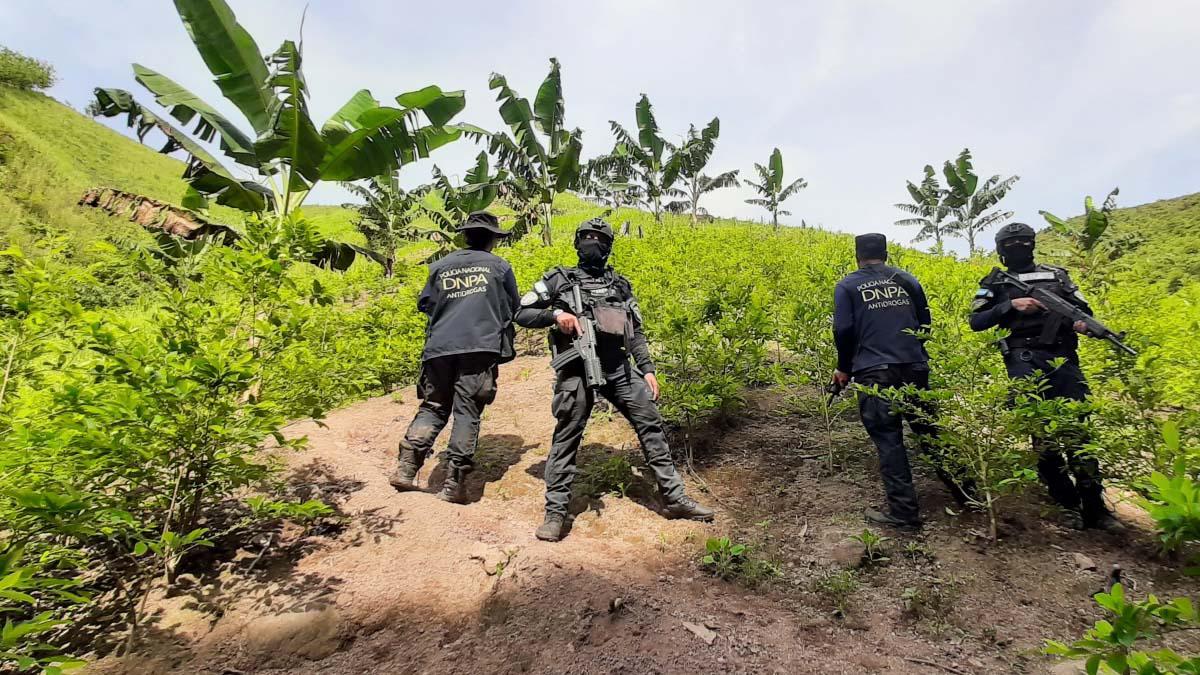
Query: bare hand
(1027,305)
(1081,327)
(568,323)
(841,379)
(652,382)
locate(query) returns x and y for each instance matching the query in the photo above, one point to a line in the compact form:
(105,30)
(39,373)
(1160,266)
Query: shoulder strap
(901,279)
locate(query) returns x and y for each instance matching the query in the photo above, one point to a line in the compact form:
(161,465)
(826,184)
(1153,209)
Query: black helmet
(596,225)
(1014,231)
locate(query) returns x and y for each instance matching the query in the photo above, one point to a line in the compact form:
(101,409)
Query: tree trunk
(695,200)
(775,221)
(657,210)
(547,220)
(389,267)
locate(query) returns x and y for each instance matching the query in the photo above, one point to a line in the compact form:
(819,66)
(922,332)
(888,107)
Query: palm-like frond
(723,180)
(790,190)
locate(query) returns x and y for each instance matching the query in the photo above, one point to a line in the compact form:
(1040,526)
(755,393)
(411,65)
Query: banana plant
(971,201)
(446,205)
(386,216)
(1092,246)
(771,187)
(608,180)
(693,155)
(928,209)
(646,158)
(283,147)
(536,170)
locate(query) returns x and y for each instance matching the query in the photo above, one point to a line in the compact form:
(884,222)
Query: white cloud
(1074,96)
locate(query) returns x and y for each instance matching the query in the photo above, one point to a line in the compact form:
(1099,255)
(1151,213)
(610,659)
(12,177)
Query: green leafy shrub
(1174,504)
(1115,644)
(874,545)
(837,586)
(731,561)
(613,475)
(25,72)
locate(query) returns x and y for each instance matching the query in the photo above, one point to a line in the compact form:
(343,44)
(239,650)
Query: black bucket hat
(482,220)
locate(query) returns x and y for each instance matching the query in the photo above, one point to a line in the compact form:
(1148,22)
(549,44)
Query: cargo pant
(572,407)
(885,426)
(460,385)
(1057,465)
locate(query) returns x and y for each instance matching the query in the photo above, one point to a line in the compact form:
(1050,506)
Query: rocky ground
(405,583)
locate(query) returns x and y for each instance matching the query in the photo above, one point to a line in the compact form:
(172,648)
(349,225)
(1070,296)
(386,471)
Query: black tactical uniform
(609,301)
(1034,341)
(878,313)
(470,297)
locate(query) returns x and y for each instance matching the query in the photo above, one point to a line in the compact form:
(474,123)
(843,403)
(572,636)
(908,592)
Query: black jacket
(470,298)
(876,309)
(610,289)
(993,307)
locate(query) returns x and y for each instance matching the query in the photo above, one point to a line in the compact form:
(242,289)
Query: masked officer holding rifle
(1045,312)
(595,327)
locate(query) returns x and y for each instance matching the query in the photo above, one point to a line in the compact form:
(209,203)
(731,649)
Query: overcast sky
(1075,96)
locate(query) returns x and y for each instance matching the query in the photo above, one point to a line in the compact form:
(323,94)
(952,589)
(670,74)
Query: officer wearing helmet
(1036,339)
(632,389)
(470,297)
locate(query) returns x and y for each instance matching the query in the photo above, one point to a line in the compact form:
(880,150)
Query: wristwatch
(557,312)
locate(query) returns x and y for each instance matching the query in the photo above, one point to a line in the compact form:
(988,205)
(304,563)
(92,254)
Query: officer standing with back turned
(608,302)
(1037,337)
(880,320)
(470,298)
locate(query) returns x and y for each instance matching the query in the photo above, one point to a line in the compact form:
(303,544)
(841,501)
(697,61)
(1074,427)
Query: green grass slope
(50,154)
(1161,243)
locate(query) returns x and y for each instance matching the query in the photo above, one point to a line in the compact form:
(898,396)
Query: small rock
(701,632)
(849,553)
(186,581)
(1083,562)
(1069,668)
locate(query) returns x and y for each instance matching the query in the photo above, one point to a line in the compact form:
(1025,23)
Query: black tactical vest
(1042,328)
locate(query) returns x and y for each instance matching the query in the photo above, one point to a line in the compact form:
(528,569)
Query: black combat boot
(880,518)
(453,488)
(551,529)
(689,509)
(1096,516)
(405,475)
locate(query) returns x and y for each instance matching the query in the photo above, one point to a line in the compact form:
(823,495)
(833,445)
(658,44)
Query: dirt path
(415,585)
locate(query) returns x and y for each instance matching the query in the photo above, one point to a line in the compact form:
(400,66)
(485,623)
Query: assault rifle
(1056,304)
(583,345)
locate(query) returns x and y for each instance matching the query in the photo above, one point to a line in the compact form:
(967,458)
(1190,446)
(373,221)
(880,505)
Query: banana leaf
(205,174)
(232,57)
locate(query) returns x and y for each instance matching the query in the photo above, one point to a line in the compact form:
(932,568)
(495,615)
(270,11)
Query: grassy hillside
(1160,243)
(50,154)
(1152,285)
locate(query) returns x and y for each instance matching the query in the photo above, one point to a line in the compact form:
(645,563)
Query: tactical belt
(1013,342)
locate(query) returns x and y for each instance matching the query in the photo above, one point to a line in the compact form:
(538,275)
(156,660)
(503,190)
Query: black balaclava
(593,254)
(1017,253)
